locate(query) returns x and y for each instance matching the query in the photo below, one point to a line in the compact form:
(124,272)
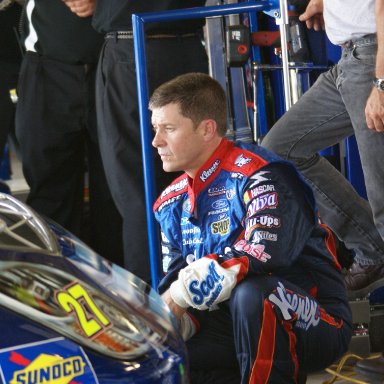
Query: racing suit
(242,239)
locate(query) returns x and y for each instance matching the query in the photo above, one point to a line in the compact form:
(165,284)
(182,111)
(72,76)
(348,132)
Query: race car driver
(249,272)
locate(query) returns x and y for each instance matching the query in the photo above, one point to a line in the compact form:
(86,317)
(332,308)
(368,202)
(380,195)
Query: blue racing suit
(242,242)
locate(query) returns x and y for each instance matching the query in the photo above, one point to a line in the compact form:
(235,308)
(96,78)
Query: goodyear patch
(55,361)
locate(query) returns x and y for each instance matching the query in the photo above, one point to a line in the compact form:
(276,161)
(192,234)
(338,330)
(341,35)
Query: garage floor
(348,371)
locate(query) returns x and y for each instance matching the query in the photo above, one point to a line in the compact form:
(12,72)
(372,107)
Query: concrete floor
(326,378)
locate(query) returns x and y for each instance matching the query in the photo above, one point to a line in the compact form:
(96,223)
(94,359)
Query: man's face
(179,143)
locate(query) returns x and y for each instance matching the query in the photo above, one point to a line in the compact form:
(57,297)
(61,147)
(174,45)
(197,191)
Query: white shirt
(349,19)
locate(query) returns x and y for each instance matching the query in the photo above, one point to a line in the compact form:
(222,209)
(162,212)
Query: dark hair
(199,97)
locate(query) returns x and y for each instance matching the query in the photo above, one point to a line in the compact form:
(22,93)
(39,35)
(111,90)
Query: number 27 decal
(76,300)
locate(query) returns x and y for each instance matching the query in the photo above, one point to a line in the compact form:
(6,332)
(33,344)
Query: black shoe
(372,369)
(360,280)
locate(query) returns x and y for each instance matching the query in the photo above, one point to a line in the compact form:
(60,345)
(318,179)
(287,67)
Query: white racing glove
(204,283)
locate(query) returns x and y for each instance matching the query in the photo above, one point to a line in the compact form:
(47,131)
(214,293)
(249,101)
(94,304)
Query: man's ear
(209,129)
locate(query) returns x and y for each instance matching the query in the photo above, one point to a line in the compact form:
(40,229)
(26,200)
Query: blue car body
(69,316)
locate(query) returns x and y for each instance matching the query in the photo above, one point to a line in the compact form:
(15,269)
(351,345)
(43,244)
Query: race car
(67,315)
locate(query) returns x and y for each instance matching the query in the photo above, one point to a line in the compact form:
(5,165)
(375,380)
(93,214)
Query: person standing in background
(10,59)
(346,100)
(172,49)
(56,124)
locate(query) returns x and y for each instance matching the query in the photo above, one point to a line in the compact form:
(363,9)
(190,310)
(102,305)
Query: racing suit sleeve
(173,262)
(279,218)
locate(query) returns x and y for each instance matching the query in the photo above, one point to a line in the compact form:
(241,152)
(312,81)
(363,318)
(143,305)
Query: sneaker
(371,368)
(360,280)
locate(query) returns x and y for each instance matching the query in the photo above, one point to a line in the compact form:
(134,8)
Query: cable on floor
(345,372)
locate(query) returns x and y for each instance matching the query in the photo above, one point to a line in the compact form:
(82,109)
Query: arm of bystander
(374,110)
(313,15)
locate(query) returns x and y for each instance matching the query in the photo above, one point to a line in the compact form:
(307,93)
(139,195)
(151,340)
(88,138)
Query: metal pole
(255,103)
(283,23)
(203,12)
(146,147)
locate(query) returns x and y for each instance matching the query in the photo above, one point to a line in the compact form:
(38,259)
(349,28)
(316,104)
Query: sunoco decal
(56,361)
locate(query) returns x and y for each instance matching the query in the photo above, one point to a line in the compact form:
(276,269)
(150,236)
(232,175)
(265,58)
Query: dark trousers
(119,129)
(9,73)
(56,129)
(269,331)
